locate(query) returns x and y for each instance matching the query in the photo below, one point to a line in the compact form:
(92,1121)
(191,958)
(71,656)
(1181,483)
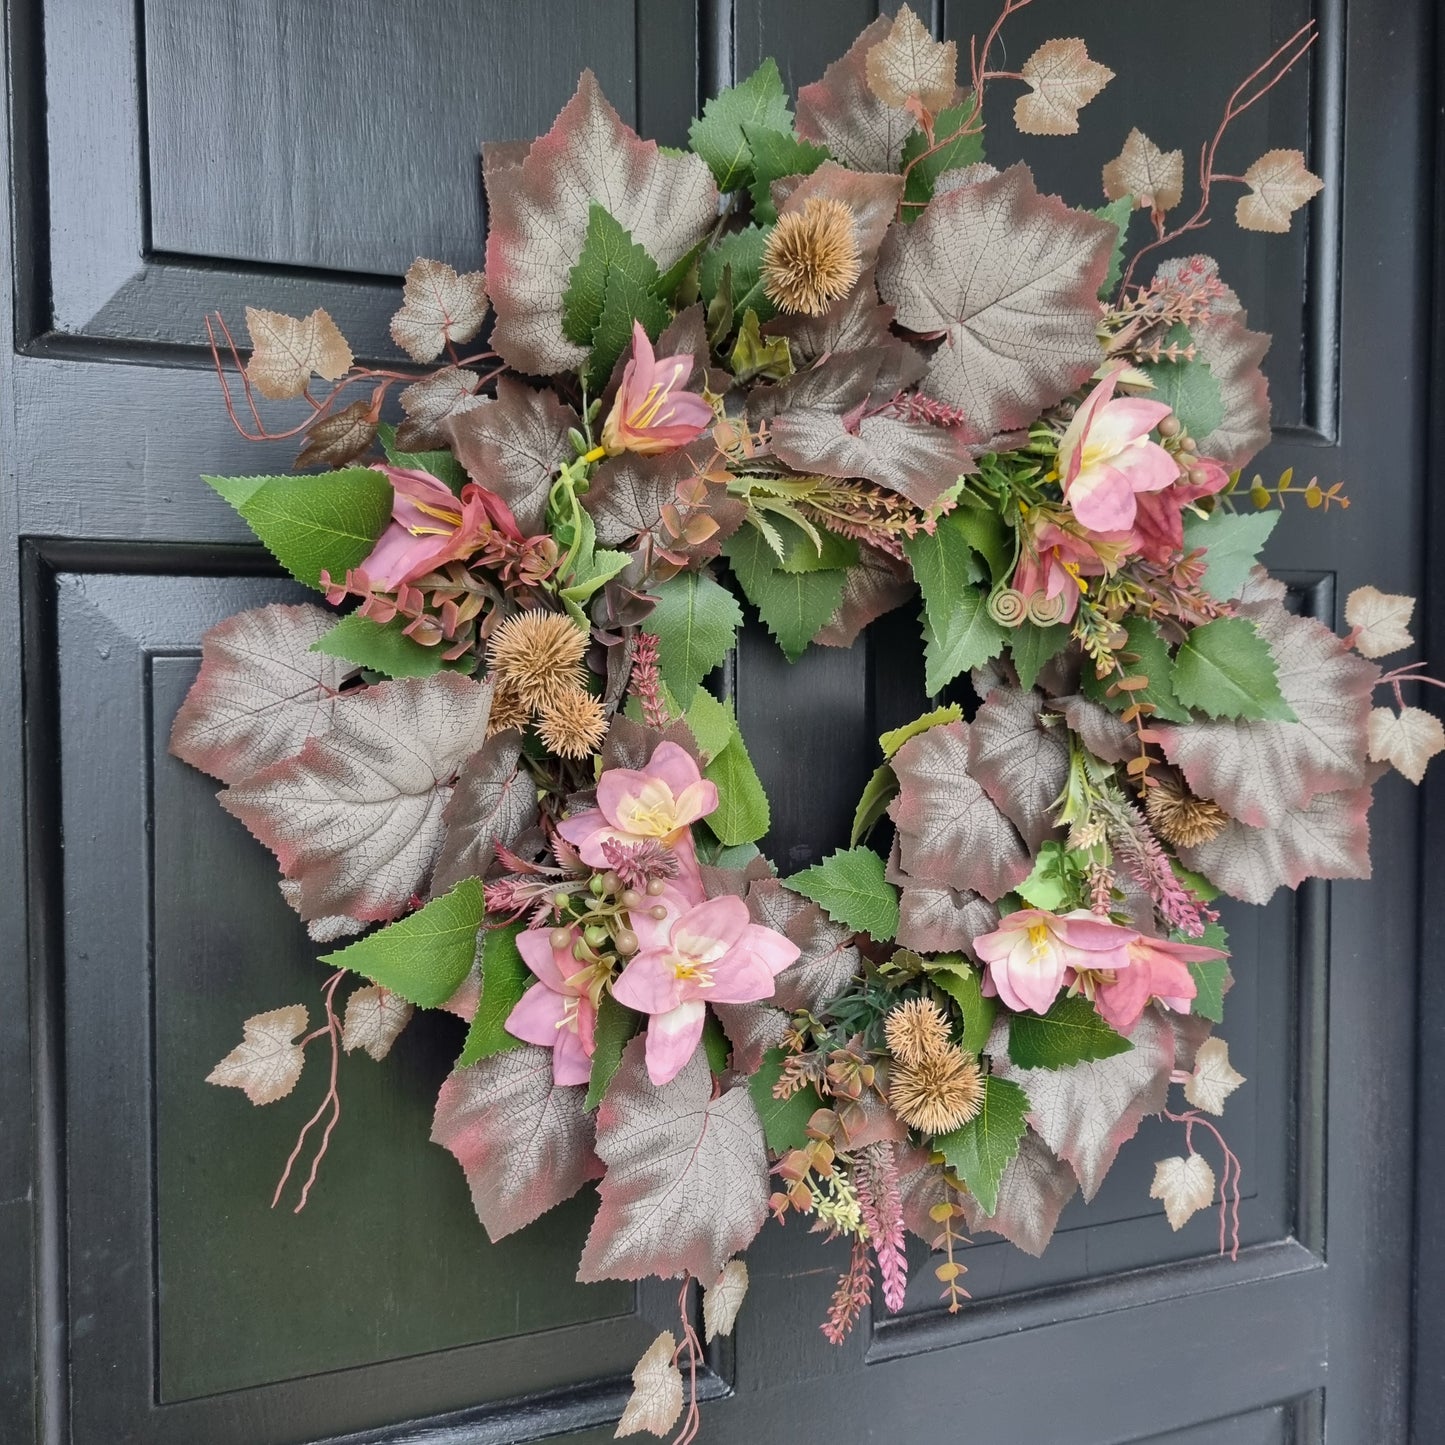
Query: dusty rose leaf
(842,112)
(339,438)
(1032,1194)
(356,817)
(431,402)
(320,930)
(686,1186)
(493,803)
(267,1062)
(631,744)
(1086,1113)
(374,1018)
(438,306)
(1153,178)
(1233,354)
(287,350)
(1021,761)
(1407,740)
(874,586)
(752,1029)
(949,832)
(722,1299)
(493,1116)
(1261,772)
(1101,731)
(1380,621)
(513,446)
(1330,838)
(1061,80)
(1009,279)
(657,1396)
(539,213)
(628,494)
(827,958)
(936,919)
(1279,184)
(261,691)
(856,321)
(909,64)
(1185,1184)
(1213,1079)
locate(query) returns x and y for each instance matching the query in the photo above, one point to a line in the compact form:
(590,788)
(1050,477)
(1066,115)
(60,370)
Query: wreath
(839,350)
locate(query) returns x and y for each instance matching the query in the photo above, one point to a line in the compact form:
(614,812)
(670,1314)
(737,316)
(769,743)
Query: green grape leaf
(505,978)
(989,535)
(1117,213)
(442,465)
(715,1043)
(386,649)
(1189,388)
(426,956)
(1232,543)
(1211,979)
(980,1151)
(891,741)
(958,632)
(695,622)
(953,153)
(850,888)
(1225,669)
(1031,647)
(1153,662)
(741,254)
(785,1121)
(958,978)
(719,136)
(742,814)
(1070,1033)
(777,154)
(881,790)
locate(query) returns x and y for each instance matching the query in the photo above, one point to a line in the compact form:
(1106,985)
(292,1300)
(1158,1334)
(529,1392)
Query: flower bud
(626,941)
(658,911)
(595,934)
(1189,444)
(595,886)
(655,887)
(560,938)
(560,899)
(610,882)
(1170,426)
(631,898)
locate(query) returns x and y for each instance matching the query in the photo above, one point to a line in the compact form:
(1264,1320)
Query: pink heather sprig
(1143,856)
(914,406)
(875,1177)
(646,681)
(850,1299)
(637,864)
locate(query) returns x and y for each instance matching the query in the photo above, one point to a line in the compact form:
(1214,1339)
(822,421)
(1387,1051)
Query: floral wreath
(843,352)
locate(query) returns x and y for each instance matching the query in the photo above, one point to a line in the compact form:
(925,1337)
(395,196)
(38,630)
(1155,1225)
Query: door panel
(170,158)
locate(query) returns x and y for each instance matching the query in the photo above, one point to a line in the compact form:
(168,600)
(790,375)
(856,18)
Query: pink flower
(1106,456)
(660,801)
(1157,968)
(559,1011)
(699,952)
(1159,521)
(1027,957)
(1054,561)
(652,413)
(431,526)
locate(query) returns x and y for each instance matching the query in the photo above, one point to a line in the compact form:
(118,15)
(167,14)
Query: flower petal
(649,983)
(707,931)
(671,1039)
(535,946)
(536,1016)
(570,1061)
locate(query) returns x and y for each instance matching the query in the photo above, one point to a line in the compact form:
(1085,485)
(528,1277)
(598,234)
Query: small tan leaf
(1213,1079)
(656,1399)
(1154,178)
(1186,1185)
(430,401)
(335,440)
(908,62)
(438,306)
(1061,80)
(1278,185)
(721,1303)
(1406,742)
(285,350)
(267,1062)
(1381,621)
(374,1018)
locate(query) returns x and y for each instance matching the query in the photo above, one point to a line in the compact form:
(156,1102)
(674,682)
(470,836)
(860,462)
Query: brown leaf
(431,402)
(1032,1194)
(494,1115)
(752,1029)
(374,1018)
(261,691)
(686,1186)
(856,321)
(267,1062)
(1185,1184)
(286,350)
(1021,761)
(336,439)
(493,803)
(1010,279)
(1061,79)
(722,1299)
(1279,184)
(827,959)
(656,1399)
(319,930)
(1407,740)
(628,494)
(514,445)
(1154,178)
(873,587)
(933,918)
(539,212)
(438,307)
(1380,621)
(909,64)
(842,112)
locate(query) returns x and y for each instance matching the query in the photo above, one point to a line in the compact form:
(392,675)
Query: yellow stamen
(442,514)
(595,455)
(646,412)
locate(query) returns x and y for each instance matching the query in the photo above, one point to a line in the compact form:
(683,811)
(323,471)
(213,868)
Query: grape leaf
(850,888)
(1185,1184)
(686,1183)
(1232,543)
(957,147)
(1407,740)
(438,307)
(1069,1033)
(1061,80)
(1151,659)
(505,978)
(775,154)
(356,817)
(785,1121)
(1021,761)
(1150,179)
(1213,1079)
(982,1149)
(375,1016)
(1225,668)
(432,402)
(1187,387)
(260,693)
(616,1024)
(1379,621)
(827,958)
(384,647)
(934,918)
(267,1062)
(287,350)
(1279,184)
(656,1398)
(909,64)
(335,440)
(490,1116)
(695,622)
(492,804)
(722,1299)
(719,134)
(1031,1196)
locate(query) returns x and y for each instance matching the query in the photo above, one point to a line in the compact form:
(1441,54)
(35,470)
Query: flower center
(1040,943)
(691,970)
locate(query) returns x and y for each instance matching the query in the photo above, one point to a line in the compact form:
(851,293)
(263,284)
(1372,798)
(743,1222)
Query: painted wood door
(167,157)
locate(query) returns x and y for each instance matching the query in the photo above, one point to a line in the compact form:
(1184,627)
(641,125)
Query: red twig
(1254,87)
(692,1418)
(1228,1179)
(331,1102)
(978,55)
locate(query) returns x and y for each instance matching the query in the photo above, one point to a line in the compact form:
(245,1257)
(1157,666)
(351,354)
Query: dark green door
(166,157)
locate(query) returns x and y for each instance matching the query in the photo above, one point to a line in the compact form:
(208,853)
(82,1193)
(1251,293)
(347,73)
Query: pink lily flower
(1157,968)
(1028,956)
(431,526)
(699,952)
(652,413)
(1159,520)
(661,801)
(559,1011)
(1106,456)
